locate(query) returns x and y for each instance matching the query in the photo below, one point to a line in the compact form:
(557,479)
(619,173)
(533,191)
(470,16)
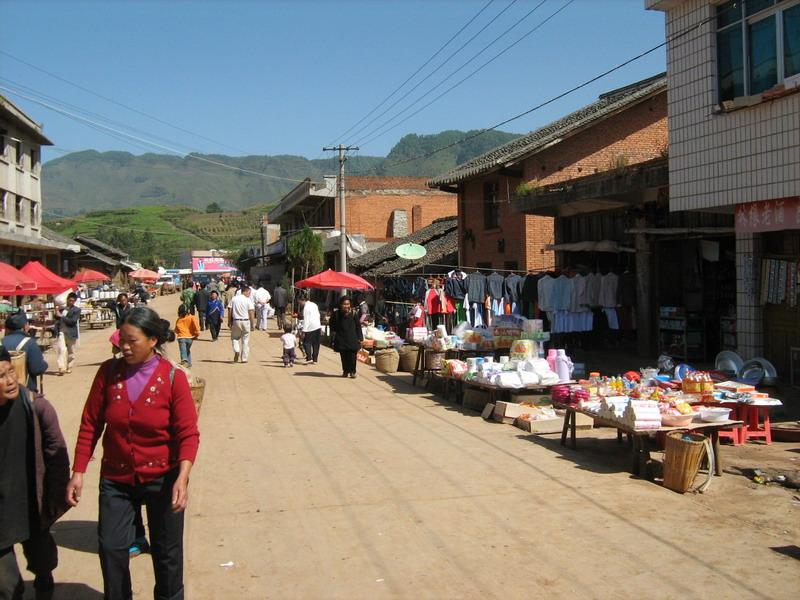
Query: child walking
(289,341)
(187,329)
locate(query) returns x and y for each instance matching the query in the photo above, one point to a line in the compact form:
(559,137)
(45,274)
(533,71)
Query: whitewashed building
(21,141)
(733,71)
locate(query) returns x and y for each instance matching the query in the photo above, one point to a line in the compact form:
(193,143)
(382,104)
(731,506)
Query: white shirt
(608,290)
(311,320)
(261,296)
(240,307)
(289,341)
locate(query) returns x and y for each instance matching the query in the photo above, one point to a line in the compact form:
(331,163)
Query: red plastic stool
(735,433)
(752,429)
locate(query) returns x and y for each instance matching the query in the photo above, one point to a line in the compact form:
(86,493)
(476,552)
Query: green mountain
(87,181)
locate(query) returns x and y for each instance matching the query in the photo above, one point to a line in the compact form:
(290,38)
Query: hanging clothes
(593,283)
(456,285)
(476,286)
(544,292)
(512,287)
(608,290)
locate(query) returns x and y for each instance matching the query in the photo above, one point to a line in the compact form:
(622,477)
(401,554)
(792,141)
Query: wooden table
(640,438)
(495,392)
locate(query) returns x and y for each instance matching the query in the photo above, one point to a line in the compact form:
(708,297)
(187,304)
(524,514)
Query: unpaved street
(314,486)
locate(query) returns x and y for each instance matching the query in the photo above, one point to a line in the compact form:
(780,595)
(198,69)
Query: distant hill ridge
(89,180)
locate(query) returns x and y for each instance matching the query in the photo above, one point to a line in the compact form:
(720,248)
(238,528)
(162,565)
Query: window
(491,206)
(34,213)
(758,45)
(20,155)
(2,142)
(19,213)
(34,160)
(3,198)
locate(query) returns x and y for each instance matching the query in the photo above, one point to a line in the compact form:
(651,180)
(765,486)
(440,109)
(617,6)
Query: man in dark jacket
(121,308)
(280,299)
(34,472)
(17,338)
(67,329)
(200,301)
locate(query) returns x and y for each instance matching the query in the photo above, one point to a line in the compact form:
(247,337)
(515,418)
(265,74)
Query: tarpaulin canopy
(334,280)
(87,275)
(144,275)
(47,282)
(15,282)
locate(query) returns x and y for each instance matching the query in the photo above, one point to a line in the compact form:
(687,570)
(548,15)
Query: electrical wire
(108,128)
(571,90)
(460,48)
(415,73)
(530,32)
(120,104)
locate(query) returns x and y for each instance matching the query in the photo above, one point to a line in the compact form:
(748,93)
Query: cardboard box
(542,426)
(507,412)
(532,399)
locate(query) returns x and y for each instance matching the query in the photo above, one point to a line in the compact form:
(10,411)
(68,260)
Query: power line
(112,101)
(88,121)
(415,73)
(619,66)
(460,48)
(371,135)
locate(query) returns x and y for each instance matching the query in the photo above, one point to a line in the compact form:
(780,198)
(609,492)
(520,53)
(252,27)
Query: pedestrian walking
(34,470)
(187,298)
(280,300)
(200,302)
(289,343)
(67,334)
(346,336)
(142,407)
(261,298)
(312,330)
(230,292)
(214,314)
(121,308)
(18,339)
(187,330)
(241,318)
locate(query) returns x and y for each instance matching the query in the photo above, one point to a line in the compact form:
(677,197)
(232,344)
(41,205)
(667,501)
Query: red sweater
(146,438)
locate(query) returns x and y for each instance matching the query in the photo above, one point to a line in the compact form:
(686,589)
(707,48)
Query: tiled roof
(440,239)
(102,246)
(511,152)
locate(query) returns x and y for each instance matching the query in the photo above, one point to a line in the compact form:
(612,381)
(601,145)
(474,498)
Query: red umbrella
(47,282)
(334,280)
(14,281)
(90,275)
(144,275)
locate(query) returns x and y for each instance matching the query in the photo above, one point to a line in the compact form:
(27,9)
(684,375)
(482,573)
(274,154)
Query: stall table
(640,438)
(495,392)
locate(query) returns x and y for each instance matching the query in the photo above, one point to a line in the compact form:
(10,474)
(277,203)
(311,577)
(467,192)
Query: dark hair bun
(166,334)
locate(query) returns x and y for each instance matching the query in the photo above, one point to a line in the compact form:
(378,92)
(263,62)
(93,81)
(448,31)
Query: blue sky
(268,77)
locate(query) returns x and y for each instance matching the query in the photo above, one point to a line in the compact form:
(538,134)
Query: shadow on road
(316,374)
(68,591)
(76,535)
(211,360)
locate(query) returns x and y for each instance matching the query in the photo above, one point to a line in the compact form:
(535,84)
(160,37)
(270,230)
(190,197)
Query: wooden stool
(751,429)
(736,433)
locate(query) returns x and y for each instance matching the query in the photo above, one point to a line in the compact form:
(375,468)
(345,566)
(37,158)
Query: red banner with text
(769,215)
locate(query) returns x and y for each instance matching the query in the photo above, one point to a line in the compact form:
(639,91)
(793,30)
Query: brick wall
(369,212)
(635,135)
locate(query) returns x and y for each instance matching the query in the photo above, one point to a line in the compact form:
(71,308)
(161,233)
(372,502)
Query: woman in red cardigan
(150,443)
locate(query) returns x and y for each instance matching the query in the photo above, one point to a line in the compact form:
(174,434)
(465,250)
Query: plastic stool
(751,428)
(734,434)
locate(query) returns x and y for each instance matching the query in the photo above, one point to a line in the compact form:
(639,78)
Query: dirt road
(313,486)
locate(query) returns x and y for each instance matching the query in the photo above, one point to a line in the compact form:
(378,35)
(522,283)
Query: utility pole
(264,222)
(342,212)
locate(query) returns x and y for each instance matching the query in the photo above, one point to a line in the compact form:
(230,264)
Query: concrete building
(734,124)
(21,140)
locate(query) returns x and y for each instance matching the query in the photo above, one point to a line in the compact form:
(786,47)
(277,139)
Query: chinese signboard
(769,215)
(212,264)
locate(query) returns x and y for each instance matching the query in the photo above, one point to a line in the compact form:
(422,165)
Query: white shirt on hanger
(608,290)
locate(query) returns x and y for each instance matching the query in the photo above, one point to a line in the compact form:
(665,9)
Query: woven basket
(408,358)
(20,366)
(434,360)
(198,387)
(386,361)
(682,454)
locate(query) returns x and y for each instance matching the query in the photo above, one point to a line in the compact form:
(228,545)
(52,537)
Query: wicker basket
(408,358)
(434,360)
(18,358)
(386,361)
(198,387)
(682,454)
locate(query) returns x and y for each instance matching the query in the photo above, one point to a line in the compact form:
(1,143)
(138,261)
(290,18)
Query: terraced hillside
(158,234)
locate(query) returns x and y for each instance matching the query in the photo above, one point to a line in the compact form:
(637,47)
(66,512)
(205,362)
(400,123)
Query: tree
(213,208)
(304,252)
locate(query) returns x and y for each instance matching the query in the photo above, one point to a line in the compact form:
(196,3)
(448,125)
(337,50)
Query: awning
(39,243)
(90,275)
(13,281)
(334,280)
(601,246)
(47,282)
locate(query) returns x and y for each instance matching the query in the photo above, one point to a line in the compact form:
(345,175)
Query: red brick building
(623,127)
